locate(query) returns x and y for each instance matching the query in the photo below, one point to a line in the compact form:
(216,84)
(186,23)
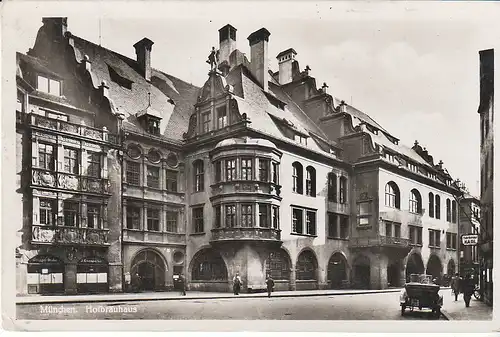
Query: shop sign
(470,239)
(44,259)
(92,260)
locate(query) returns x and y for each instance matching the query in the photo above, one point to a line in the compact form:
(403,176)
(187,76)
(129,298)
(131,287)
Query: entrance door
(393,275)
(362,273)
(146,273)
(337,271)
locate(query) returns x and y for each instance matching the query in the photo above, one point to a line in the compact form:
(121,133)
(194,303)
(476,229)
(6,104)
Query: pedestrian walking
(182,284)
(237,284)
(455,285)
(270,285)
(468,289)
(137,282)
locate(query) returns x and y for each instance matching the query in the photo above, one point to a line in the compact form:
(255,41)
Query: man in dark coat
(270,285)
(468,289)
(455,285)
(237,284)
(182,284)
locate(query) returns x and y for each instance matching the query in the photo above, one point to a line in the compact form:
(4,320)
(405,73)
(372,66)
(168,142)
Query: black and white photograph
(249,161)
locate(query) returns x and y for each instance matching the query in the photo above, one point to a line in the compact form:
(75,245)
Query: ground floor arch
(361,272)
(148,270)
(434,267)
(278,265)
(395,274)
(208,265)
(45,275)
(337,271)
(414,265)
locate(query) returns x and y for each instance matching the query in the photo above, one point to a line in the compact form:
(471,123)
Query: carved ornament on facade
(68,182)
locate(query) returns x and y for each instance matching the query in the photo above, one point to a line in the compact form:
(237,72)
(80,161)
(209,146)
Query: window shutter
(36,211)
(34,153)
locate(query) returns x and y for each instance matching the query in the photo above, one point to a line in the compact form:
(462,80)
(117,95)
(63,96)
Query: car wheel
(403,310)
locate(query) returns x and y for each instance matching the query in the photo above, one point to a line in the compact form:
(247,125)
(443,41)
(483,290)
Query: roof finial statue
(213,59)
(307,70)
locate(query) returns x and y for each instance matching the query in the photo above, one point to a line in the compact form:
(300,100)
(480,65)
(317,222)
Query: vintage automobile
(421,292)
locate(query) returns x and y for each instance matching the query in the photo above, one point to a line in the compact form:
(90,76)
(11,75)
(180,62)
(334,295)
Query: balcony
(76,129)
(68,181)
(246,186)
(246,234)
(380,241)
(339,208)
(69,236)
(137,235)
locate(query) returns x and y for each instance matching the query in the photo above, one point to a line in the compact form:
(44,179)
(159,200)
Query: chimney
(259,56)
(227,43)
(285,60)
(143,52)
(58,27)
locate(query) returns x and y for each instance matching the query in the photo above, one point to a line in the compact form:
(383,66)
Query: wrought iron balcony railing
(246,233)
(69,235)
(43,177)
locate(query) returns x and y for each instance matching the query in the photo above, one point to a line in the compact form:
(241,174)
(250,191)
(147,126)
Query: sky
(413,67)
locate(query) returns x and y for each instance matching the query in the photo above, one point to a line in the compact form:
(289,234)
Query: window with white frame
(71,161)
(311,222)
(246,215)
(93,216)
(392,196)
(199,176)
(275,213)
(153,176)
(364,213)
(264,211)
(230,169)
(297,220)
(133,217)
(221,117)
(48,212)
(434,238)
(172,222)
(310,181)
(71,211)
(93,164)
(46,156)
(246,169)
(153,219)
(263,169)
(230,215)
(415,202)
(48,85)
(415,233)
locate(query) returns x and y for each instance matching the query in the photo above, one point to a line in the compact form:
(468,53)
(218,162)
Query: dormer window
(412,167)
(221,117)
(205,122)
(300,139)
(153,125)
(48,85)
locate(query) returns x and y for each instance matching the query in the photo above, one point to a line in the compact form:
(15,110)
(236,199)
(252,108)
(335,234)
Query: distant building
(486,111)
(256,172)
(470,215)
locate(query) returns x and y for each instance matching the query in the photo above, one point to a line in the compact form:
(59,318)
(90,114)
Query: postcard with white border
(257,166)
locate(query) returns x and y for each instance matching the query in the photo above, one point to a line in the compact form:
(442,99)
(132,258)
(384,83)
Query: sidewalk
(477,311)
(191,295)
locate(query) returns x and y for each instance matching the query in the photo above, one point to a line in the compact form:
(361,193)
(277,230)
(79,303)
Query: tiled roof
(172,98)
(36,64)
(254,102)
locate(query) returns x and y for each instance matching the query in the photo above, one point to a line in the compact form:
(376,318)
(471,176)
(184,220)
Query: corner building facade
(256,172)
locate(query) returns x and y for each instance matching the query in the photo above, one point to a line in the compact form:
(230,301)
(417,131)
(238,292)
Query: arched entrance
(306,271)
(208,265)
(414,265)
(45,275)
(92,275)
(394,274)
(148,270)
(337,271)
(278,265)
(361,272)
(434,267)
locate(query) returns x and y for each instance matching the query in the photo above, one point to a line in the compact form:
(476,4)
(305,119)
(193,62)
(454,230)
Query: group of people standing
(237,283)
(466,286)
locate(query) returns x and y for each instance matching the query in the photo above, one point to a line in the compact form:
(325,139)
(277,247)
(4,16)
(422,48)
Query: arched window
(392,195)
(332,187)
(343,190)
(448,210)
(454,211)
(310,181)
(306,266)
(199,176)
(438,207)
(431,204)
(278,266)
(208,266)
(297,177)
(415,202)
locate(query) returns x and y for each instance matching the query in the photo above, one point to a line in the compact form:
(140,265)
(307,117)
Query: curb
(263,295)
(446,315)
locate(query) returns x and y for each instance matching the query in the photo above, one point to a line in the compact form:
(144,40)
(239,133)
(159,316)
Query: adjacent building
(486,112)
(257,172)
(470,223)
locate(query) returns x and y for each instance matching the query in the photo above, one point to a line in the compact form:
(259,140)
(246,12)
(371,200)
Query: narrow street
(381,306)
